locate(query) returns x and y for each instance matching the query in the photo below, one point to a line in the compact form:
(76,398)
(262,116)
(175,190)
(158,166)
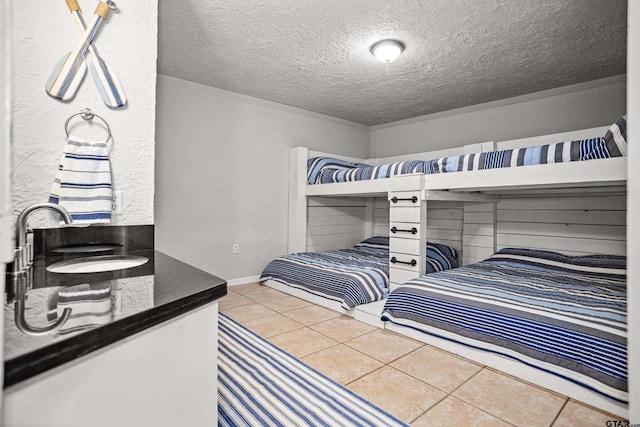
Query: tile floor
(417,383)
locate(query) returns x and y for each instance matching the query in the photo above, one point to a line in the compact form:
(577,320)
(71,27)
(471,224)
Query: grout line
(391,361)
(404,355)
(298,329)
(471,404)
(318,351)
(225,309)
(559,412)
(365,354)
(429,408)
(329,336)
(306,355)
(484,410)
(429,384)
(364,375)
(466,381)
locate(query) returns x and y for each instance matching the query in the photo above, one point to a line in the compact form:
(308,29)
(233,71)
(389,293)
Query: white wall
(633,213)
(581,106)
(6,227)
(6,224)
(222,163)
(43,32)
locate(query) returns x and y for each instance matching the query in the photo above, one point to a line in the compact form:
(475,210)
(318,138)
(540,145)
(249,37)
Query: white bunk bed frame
(481,186)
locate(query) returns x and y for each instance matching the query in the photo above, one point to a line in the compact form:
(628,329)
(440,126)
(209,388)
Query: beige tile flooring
(417,383)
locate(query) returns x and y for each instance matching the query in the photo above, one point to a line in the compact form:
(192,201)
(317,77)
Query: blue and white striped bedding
(355,276)
(613,144)
(322,170)
(317,165)
(563,315)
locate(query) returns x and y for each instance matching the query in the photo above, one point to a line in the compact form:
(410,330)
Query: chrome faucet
(22,252)
(22,275)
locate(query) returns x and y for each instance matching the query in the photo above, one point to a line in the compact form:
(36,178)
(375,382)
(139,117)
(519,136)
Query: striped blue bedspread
(323,170)
(563,315)
(355,276)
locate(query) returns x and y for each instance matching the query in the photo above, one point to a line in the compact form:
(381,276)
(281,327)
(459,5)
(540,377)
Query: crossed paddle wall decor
(70,70)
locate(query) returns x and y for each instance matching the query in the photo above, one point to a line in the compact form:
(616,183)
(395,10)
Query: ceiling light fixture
(387,50)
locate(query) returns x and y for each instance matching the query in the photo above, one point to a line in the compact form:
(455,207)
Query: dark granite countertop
(141,297)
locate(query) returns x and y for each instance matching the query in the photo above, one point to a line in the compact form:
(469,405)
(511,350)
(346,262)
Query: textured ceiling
(315,54)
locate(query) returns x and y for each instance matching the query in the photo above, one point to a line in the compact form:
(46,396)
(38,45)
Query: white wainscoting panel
(570,225)
(479,232)
(335,222)
(381,217)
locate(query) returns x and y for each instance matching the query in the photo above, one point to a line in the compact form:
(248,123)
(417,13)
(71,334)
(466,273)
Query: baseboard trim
(242,280)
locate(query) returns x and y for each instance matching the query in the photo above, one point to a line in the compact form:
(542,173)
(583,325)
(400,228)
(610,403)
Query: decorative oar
(62,83)
(104,77)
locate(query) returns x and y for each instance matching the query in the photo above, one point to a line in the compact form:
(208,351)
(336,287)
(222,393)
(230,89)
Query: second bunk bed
(577,297)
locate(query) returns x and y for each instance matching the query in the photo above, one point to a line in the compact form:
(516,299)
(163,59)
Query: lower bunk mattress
(354,276)
(563,315)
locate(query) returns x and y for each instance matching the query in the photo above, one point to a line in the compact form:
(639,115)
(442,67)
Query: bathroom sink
(97,264)
(87,248)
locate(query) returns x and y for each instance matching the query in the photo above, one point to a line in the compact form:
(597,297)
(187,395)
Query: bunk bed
(588,162)
(346,278)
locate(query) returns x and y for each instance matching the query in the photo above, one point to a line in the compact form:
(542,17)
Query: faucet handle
(19,261)
(23,259)
(28,254)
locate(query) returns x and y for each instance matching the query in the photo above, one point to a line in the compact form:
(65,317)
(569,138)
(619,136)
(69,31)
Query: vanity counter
(143,297)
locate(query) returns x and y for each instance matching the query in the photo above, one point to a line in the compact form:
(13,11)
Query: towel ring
(87,114)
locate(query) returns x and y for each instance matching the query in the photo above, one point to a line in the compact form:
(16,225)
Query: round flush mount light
(387,50)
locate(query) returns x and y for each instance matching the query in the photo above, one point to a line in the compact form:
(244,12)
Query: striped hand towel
(83,182)
(91,305)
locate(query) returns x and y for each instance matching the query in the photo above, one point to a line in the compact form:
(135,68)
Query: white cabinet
(164,376)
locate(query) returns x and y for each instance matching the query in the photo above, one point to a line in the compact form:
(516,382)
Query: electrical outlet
(116,202)
(236,248)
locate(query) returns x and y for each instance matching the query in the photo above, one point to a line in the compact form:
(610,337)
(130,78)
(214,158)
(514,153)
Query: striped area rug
(262,385)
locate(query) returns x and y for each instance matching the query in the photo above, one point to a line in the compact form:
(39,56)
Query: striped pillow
(585,264)
(377,242)
(442,256)
(316,165)
(616,138)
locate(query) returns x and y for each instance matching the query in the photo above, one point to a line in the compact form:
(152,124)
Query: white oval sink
(97,264)
(87,248)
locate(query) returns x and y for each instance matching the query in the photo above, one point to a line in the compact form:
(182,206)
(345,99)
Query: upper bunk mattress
(355,276)
(563,315)
(324,170)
